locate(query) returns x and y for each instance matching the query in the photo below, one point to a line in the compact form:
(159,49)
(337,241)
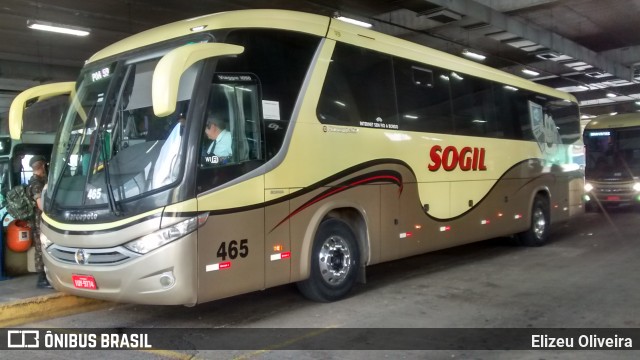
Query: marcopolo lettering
(80,216)
(450,158)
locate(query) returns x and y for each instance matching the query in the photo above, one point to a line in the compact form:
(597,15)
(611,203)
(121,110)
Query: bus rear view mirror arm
(39,93)
(166,76)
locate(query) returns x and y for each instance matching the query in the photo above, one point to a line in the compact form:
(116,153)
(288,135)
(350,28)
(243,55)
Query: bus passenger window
(423,97)
(359,89)
(473,106)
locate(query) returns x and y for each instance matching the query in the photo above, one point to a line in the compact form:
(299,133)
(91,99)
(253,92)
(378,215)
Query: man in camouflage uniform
(36,186)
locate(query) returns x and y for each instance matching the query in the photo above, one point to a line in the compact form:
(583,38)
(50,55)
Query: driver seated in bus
(216,131)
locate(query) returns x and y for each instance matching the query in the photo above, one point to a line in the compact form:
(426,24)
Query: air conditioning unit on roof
(597,74)
(442,16)
(548,55)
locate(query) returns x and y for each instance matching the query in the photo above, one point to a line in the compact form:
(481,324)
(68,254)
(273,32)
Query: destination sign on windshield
(599,133)
(101,73)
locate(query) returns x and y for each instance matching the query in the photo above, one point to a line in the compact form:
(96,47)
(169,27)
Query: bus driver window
(217,144)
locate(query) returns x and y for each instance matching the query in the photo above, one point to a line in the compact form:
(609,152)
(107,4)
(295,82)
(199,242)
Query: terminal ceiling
(590,48)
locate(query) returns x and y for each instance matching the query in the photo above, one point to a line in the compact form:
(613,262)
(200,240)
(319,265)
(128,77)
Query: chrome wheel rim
(335,260)
(539,223)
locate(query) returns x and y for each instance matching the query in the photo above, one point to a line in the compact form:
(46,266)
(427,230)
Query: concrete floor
(586,277)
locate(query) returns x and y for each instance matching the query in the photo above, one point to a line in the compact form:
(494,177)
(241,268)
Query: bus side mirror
(27,97)
(166,76)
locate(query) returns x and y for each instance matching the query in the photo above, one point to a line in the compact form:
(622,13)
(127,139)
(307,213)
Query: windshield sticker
(94,194)
(233,78)
(212,159)
(379,123)
(271,109)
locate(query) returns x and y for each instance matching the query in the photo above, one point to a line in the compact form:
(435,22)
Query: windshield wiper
(67,153)
(113,206)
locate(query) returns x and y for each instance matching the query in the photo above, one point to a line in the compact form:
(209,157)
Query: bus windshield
(613,154)
(111,147)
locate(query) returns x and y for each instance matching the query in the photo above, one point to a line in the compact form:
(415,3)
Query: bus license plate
(84,282)
(613,198)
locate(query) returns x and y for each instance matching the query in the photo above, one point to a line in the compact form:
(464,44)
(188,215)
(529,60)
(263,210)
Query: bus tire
(538,232)
(335,260)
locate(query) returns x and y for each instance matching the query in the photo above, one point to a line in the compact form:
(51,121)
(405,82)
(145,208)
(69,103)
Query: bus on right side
(612,172)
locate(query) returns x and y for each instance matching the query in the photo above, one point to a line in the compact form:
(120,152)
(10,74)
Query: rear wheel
(538,232)
(335,260)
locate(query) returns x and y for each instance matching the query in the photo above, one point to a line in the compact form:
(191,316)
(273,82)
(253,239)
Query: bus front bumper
(164,276)
(612,194)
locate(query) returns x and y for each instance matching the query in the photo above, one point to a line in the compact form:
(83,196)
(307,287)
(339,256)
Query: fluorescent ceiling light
(530,72)
(198,28)
(611,95)
(58,28)
(613,113)
(354,21)
(472,55)
(511,88)
(573,88)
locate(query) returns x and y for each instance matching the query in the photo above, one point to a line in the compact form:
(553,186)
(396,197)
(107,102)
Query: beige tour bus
(612,172)
(243,150)
(38,109)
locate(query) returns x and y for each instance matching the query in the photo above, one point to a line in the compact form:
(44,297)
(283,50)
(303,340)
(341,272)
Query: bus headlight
(44,241)
(636,186)
(588,187)
(164,236)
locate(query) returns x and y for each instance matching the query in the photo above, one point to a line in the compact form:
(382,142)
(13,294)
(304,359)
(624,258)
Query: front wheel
(335,259)
(538,232)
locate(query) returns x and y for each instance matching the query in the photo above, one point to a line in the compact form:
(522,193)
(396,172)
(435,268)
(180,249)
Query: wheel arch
(537,231)
(353,215)
(543,192)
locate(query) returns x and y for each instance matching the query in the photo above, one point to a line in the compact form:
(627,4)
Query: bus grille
(96,257)
(614,190)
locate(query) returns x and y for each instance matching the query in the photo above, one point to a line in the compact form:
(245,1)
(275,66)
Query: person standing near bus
(37,184)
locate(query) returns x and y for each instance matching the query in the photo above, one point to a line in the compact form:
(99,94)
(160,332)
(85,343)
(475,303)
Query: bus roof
(276,19)
(614,121)
(321,26)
